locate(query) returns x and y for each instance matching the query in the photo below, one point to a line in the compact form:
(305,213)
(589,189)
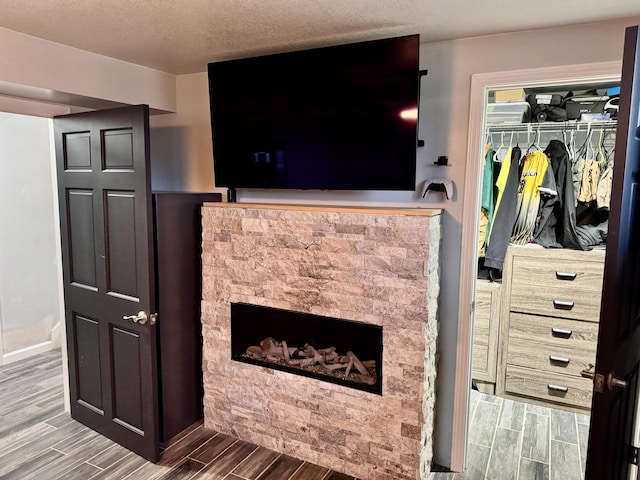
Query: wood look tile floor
(510,440)
(39,441)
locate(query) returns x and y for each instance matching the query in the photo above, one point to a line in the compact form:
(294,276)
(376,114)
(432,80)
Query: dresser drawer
(480,361)
(486,324)
(557,273)
(562,303)
(551,387)
(560,288)
(482,316)
(551,344)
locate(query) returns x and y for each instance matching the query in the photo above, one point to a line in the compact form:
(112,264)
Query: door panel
(77,147)
(108,267)
(127,379)
(118,149)
(121,246)
(82,247)
(614,405)
(87,347)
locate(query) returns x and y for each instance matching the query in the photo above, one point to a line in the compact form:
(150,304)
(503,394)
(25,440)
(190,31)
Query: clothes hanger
(500,150)
(583,148)
(536,139)
(608,155)
(601,157)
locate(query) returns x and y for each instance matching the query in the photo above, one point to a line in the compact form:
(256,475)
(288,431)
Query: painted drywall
(181,149)
(30,287)
(48,70)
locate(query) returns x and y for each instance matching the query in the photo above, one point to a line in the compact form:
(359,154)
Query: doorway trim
(480,85)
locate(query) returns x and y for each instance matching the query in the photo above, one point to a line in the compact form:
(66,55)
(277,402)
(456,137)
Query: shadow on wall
(169,171)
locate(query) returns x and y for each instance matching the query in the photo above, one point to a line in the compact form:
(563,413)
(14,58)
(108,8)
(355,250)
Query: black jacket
(557,226)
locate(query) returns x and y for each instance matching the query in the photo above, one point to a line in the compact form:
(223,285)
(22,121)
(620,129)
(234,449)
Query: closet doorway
(538,270)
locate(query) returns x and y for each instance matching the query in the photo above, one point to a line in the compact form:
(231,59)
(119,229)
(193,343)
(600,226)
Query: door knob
(141,317)
(613,382)
(598,380)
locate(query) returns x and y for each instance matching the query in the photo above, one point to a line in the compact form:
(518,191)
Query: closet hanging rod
(552,126)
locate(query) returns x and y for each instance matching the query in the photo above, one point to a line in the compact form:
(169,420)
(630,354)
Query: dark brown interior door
(616,376)
(108,268)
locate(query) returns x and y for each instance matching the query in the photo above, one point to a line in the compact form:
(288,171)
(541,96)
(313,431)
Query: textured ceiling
(182,36)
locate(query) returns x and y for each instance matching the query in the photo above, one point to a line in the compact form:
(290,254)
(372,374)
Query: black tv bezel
(407,184)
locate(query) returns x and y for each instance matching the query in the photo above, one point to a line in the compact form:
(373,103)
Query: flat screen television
(333,118)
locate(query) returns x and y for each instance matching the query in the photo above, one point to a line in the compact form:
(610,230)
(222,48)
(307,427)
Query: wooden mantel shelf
(424,212)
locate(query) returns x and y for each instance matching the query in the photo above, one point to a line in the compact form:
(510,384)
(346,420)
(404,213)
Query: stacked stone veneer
(369,266)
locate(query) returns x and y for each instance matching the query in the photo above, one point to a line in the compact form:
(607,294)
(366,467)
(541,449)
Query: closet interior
(546,186)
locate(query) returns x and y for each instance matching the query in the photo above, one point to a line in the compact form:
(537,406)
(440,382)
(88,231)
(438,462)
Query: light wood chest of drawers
(549,324)
(486,327)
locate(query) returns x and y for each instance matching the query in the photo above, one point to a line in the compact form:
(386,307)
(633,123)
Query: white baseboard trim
(26,352)
(56,335)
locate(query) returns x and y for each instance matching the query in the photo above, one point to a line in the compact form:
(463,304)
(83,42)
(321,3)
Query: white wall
(50,71)
(181,149)
(30,289)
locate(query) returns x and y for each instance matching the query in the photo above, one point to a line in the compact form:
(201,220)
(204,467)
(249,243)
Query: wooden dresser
(486,327)
(549,324)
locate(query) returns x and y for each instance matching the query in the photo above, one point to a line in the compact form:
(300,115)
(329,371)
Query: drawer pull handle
(557,388)
(564,332)
(566,275)
(563,304)
(557,359)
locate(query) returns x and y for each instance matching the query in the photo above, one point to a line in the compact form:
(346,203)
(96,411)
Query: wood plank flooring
(507,440)
(39,441)
(510,440)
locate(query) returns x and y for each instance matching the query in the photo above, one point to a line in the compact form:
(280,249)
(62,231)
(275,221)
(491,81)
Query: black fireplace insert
(339,351)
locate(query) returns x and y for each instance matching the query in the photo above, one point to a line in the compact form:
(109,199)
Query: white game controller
(438,185)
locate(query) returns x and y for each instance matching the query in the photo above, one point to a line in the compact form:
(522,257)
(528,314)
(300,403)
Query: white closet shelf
(551,126)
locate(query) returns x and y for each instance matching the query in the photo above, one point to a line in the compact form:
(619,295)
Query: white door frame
(480,86)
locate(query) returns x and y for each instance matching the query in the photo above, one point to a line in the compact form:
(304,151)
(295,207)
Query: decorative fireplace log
(315,357)
(285,351)
(336,366)
(349,366)
(361,368)
(326,360)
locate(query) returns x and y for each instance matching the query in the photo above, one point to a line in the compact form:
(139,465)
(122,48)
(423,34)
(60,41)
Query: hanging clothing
(557,226)
(603,192)
(505,211)
(536,191)
(577,169)
(487,201)
(501,181)
(482,232)
(589,185)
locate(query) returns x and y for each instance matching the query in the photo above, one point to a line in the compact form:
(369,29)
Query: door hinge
(632,454)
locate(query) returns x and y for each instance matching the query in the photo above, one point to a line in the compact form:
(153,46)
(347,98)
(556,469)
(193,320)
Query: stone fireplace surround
(377,266)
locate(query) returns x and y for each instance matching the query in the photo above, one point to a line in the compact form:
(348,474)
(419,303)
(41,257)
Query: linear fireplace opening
(339,351)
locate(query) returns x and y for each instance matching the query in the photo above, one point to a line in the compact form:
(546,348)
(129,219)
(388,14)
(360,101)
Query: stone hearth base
(373,266)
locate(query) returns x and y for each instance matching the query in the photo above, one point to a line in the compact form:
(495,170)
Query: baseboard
(56,335)
(26,352)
